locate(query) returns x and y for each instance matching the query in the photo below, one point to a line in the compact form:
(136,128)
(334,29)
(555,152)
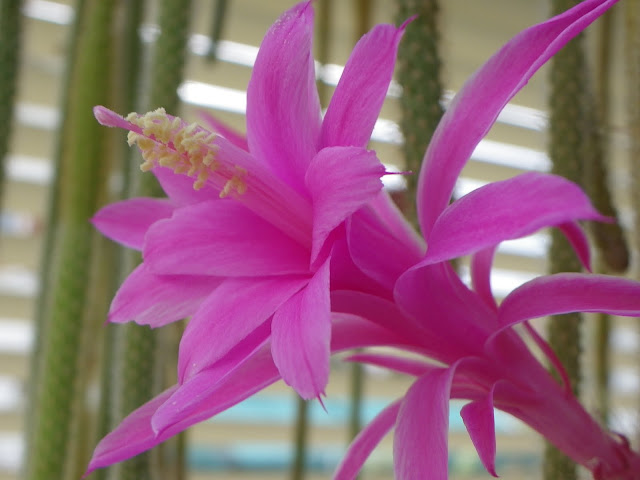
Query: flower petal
(481,263)
(408,366)
(157,300)
(477,105)
(351,331)
(486,216)
(221,238)
(376,250)
(358,98)
(340,180)
(570,292)
(378,310)
(133,436)
(235,309)
(207,390)
(300,336)
(454,320)
(420,447)
(366,441)
(283,110)
(127,222)
(479,419)
(578,239)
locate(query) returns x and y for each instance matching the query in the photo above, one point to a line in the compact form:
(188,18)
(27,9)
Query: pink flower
(251,233)
(485,361)
(251,249)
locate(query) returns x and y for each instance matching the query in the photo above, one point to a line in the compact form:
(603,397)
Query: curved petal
(387,210)
(358,98)
(207,387)
(486,216)
(408,366)
(578,239)
(133,436)
(481,263)
(477,105)
(221,238)
(127,222)
(340,180)
(479,419)
(377,251)
(455,321)
(570,292)
(301,336)
(157,300)
(283,110)
(234,310)
(366,441)
(351,331)
(378,310)
(420,447)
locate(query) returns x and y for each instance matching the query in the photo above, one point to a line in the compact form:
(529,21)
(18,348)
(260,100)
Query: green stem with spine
(419,70)
(60,372)
(567,137)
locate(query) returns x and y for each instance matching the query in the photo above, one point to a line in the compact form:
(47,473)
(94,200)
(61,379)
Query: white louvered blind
(255,438)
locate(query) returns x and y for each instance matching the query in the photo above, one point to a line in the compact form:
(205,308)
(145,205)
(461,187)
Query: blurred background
(123,70)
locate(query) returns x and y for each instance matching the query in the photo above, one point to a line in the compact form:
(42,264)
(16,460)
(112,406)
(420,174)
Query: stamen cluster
(185,148)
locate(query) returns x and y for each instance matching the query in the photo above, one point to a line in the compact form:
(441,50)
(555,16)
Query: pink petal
(300,336)
(455,321)
(133,436)
(420,442)
(378,310)
(578,239)
(235,137)
(340,180)
(283,110)
(395,221)
(127,222)
(486,216)
(350,331)
(481,263)
(376,250)
(477,105)
(179,188)
(366,441)
(478,417)
(345,275)
(358,98)
(157,300)
(221,238)
(211,389)
(407,366)
(570,292)
(235,309)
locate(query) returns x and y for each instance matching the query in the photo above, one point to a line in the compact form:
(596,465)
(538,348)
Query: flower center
(187,149)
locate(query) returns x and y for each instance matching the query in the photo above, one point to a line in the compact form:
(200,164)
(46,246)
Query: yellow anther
(187,149)
(236,182)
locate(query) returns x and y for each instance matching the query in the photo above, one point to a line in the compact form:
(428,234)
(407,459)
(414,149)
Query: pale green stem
(567,139)
(60,376)
(419,71)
